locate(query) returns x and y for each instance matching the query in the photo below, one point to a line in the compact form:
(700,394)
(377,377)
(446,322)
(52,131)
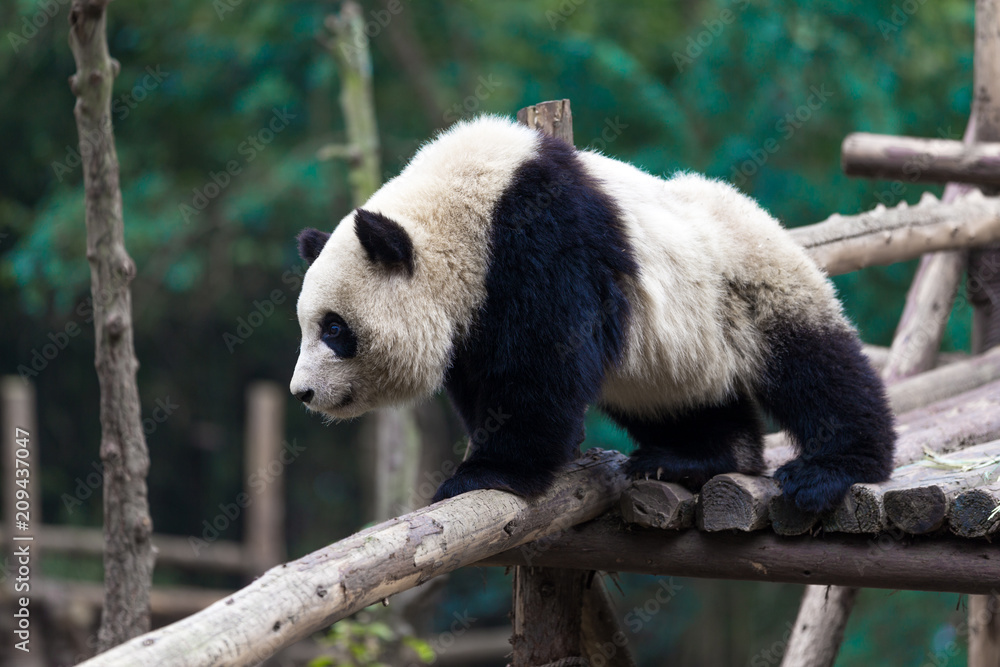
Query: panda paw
(662,465)
(472,475)
(811,486)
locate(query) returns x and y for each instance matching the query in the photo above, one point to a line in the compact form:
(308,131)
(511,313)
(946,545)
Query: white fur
(693,337)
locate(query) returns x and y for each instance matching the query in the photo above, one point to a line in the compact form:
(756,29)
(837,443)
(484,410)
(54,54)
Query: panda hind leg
(692,447)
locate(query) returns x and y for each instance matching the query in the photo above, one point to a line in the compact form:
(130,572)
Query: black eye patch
(338,336)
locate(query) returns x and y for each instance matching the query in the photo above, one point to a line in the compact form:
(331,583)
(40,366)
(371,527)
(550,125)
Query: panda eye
(337,334)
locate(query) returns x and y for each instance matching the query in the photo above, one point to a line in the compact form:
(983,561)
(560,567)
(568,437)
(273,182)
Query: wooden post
(22,473)
(128,557)
(265,511)
(984,288)
(548,603)
(555,118)
(548,607)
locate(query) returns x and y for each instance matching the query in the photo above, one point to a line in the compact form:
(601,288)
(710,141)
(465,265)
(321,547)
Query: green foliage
(366,642)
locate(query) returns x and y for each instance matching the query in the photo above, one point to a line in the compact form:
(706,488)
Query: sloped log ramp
(947,564)
(293,600)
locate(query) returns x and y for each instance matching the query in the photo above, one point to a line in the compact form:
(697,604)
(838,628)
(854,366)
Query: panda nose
(305,396)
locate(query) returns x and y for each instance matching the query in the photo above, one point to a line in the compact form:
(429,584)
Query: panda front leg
(820,387)
(521,430)
(693,446)
(516,448)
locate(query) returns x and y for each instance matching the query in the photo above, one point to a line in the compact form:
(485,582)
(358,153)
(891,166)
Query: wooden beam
(885,561)
(844,243)
(298,598)
(914,160)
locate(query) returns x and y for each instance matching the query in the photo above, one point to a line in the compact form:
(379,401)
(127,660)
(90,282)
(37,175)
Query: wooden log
(844,243)
(970,418)
(944,382)
(928,305)
(976,512)
(889,562)
(918,498)
(295,599)
(554,117)
(128,561)
(650,503)
(548,607)
(735,502)
(787,519)
(265,513)
(819,627)
(604,642)
(878,356)
(918,160)
(864,511)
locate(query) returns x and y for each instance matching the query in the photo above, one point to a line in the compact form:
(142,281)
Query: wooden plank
(920,160)
(887,561)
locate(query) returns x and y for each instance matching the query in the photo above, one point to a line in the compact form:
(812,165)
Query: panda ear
(311,242)
(385,241)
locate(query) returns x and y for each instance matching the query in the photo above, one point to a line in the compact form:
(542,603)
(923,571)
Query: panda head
(369,335)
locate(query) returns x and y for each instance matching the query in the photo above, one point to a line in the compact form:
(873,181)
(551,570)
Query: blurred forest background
(706,85)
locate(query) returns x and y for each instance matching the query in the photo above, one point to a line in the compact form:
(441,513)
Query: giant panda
(530,280)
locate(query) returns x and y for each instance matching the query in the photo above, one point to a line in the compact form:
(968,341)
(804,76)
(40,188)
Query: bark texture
(128,556)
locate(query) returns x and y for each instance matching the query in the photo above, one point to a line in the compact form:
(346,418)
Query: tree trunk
(128,557)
